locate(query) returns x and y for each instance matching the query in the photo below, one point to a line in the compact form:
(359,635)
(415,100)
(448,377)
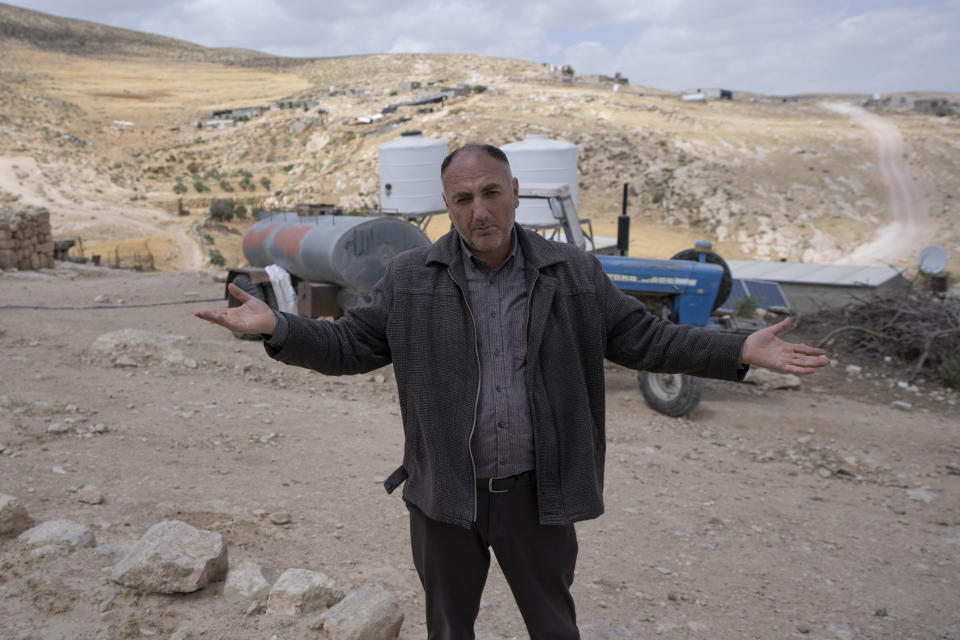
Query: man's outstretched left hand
(764,349)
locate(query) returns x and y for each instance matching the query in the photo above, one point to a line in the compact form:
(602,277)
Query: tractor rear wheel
(726,281)
(672,394)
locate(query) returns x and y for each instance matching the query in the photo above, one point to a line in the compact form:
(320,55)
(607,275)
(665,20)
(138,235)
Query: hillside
(99,125)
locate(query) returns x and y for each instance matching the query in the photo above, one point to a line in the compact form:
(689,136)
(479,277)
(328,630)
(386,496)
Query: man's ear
(516,193)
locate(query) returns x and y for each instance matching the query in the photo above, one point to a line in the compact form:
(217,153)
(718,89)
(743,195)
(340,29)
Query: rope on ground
(108,306)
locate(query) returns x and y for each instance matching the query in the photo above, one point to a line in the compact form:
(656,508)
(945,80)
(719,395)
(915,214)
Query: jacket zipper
(526,346)
(476,401)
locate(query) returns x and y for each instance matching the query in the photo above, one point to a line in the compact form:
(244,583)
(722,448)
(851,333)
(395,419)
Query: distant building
(410,85)
(690,95)
(296,103)
(243,113)
(937,106)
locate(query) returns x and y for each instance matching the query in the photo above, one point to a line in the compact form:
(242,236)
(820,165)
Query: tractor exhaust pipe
(623,225)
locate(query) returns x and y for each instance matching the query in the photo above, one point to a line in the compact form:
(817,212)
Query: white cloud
(780,47)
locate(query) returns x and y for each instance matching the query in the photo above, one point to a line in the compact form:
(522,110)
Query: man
(497,337)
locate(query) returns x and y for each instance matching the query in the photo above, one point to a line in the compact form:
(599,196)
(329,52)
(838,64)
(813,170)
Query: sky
(764,46)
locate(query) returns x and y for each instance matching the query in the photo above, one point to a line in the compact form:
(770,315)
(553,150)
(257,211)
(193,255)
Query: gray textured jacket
(420,320)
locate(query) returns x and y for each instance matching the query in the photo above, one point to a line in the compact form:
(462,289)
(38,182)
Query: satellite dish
(932,260)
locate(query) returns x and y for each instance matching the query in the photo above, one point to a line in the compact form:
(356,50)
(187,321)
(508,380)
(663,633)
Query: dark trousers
(537,560)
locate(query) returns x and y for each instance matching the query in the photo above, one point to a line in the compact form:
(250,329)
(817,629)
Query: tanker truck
(331,261)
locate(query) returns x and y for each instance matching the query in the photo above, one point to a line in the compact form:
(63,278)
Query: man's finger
(780,327)
(238,293)
(807,350)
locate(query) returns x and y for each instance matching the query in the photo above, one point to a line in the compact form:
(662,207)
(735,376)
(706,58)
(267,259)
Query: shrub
(478,88)
(208,238)
(171,158)
(287,167)
(745,307)
(240,211)
(217,258)
(179,187)
(221,209)
(193,168)
(950,372)
(226,186)
(265,183)
(567,70)
(200,186)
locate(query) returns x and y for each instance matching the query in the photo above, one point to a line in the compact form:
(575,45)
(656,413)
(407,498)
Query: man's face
(481,197)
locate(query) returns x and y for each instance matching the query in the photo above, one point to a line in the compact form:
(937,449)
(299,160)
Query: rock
(300,591)
(369,613)
(921,495)
(842,631)
(854,370)
(173,557)
(90,495)
(58,427)
(247,581)
(379,378)
(137,347)
(772,379)
(98,428)
(280,517)
(58,532)
(14,518)
(900,404)
(112,552)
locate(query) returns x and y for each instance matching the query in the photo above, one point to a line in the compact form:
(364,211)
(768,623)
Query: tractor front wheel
(672,394)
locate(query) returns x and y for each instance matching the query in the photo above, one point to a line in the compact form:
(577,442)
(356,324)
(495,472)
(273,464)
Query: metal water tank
(410,174)
(258,237)
(350,251)
(543,160)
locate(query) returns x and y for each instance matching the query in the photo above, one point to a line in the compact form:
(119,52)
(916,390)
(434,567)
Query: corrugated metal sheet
(847,275)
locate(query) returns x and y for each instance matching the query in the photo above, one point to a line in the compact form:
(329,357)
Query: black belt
(503,485)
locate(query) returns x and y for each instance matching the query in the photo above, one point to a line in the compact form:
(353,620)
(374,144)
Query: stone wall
(25,239)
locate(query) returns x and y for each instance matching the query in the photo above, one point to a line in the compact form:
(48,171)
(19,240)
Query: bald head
(489,149)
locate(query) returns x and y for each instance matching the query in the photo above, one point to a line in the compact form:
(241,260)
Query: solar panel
(765,293)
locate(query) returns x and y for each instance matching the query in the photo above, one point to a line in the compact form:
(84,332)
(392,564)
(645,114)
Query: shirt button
(498,388)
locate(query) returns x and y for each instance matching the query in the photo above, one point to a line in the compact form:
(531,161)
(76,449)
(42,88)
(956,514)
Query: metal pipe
(623,225)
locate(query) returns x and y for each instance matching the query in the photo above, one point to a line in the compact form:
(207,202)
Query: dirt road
(820,513)
(911,227)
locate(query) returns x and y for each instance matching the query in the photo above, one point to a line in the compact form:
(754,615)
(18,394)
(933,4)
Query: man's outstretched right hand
(253,316)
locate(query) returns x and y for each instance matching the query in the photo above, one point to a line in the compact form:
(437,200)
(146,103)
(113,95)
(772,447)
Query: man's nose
(480,209)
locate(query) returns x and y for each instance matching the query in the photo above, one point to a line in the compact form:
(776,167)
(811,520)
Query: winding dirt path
(911,227)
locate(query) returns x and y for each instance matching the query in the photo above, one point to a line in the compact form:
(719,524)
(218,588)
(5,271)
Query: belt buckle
(492,490)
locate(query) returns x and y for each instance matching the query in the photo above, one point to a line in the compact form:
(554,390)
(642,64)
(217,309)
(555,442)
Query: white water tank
(541,160)
(410,174)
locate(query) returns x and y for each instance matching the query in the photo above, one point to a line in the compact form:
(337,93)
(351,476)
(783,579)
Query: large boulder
(300,591)
(369,613)
(173,557)
(14,518)
(59,533)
